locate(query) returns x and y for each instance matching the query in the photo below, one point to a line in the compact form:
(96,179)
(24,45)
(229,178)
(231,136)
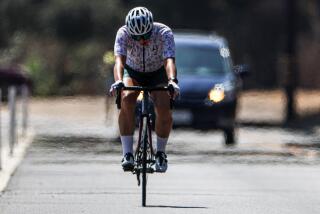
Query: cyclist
(144,56)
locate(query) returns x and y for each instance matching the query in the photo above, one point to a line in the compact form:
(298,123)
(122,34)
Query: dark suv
(209,83)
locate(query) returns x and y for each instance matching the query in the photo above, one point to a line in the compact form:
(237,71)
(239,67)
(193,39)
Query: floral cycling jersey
(146,58)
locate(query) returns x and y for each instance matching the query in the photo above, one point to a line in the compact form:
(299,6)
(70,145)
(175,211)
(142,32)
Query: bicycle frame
(145,118)
(144,155)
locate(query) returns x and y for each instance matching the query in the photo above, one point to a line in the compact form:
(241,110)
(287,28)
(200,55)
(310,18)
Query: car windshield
(202,60)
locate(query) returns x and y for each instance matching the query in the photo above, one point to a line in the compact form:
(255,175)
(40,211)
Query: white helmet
(139,21)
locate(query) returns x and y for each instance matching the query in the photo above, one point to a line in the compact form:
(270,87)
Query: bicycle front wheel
(144,160)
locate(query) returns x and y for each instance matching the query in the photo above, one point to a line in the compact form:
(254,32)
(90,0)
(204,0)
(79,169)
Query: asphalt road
(83,175)
(73,166)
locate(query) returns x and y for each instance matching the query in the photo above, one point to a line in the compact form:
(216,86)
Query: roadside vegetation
(66,45)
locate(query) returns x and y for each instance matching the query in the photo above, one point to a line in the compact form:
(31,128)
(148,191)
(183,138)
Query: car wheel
(229,137)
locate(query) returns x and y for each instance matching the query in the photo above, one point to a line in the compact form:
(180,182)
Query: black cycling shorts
(155,78)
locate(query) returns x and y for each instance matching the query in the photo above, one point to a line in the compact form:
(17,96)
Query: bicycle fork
(144,150)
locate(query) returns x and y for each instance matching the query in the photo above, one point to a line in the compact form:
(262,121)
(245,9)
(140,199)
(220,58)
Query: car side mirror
(242,70)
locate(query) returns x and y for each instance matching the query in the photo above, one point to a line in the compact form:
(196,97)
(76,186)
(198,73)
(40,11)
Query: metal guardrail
(13,96)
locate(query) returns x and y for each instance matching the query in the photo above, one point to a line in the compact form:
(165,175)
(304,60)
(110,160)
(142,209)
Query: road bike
(144,153)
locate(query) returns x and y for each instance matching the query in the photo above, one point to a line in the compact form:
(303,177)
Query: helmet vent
(139,21)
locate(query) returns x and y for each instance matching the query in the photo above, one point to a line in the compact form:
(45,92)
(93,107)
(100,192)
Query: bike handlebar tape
(118,97)
(171,91)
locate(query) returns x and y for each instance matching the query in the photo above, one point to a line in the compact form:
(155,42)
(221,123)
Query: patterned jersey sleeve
(169,45)
(120,45)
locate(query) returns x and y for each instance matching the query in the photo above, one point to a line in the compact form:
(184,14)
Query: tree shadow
(304,123)
(176,207)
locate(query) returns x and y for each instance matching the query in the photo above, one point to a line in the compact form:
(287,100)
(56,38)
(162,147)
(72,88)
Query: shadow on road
(304,123)
(176,207)
(307,122)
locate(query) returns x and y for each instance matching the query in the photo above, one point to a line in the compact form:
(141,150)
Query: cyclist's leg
(163,127)
(163,124)
(128,103)
(161,101)
(127,116)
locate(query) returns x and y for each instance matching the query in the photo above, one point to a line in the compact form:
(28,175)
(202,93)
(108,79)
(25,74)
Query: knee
(164,117)
(129,100)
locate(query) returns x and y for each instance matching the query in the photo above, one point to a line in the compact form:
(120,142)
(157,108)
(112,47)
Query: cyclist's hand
(176,88)
(115,86)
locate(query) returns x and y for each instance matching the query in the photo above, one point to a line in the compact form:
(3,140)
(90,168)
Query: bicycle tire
(144,160)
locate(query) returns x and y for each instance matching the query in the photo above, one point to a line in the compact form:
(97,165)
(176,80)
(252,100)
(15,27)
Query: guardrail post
(0,131)
(12,108)
(25,101)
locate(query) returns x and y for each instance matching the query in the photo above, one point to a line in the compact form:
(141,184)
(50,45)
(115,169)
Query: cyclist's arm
(119,67)
(120,52)
(170,66)
(169,53)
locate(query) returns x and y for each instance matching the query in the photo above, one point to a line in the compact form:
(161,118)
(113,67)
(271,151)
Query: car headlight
(216,94)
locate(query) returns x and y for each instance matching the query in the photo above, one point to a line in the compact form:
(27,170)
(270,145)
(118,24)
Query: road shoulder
(11,162)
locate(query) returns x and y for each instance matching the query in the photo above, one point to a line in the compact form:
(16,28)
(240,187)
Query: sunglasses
(144,36)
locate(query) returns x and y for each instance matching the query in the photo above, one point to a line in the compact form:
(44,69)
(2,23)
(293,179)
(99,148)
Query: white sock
(127,144)
(161,144)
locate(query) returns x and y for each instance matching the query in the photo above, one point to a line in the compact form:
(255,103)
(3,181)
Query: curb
(10,163)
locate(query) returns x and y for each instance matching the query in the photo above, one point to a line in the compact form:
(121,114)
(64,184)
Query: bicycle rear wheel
(144,160)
